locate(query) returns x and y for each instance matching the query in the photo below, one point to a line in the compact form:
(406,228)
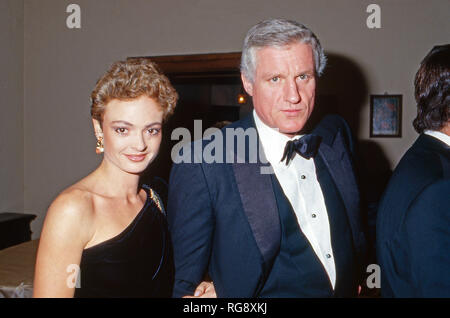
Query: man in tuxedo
(413,223)
(294,232)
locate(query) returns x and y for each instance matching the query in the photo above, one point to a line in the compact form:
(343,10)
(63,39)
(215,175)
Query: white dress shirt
(439,135)
(300,185)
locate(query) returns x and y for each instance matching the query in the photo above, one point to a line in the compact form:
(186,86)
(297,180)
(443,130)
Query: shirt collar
(439,135)
(272,140)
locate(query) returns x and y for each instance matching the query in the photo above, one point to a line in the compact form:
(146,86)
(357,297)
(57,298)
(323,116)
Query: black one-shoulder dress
(136,263)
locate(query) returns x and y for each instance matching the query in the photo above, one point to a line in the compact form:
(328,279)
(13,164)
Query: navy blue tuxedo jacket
(413,223)
(224,219)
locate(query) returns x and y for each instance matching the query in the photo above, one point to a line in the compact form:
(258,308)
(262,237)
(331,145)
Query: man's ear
(97,128)
(248,85)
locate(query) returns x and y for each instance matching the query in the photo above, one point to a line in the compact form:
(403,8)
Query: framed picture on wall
(385,115)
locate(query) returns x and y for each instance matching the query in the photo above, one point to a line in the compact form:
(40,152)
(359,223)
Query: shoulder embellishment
(155,199)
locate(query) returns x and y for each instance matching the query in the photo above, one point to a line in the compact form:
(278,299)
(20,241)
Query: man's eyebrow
(270,74)
(311,71)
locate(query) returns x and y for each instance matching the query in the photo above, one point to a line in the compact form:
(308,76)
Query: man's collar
(439,135)
(272,140)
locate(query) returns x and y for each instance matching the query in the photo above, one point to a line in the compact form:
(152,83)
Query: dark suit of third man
(413,223)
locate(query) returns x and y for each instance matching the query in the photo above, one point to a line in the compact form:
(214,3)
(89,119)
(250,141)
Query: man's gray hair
(277,33)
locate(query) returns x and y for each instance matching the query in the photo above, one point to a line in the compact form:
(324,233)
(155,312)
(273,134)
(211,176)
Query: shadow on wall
(341,90)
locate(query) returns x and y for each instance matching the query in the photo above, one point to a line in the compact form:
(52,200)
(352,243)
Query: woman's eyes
(154,131)
(150,131)
(121,130)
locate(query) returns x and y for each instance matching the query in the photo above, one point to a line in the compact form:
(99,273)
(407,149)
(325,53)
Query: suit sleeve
(427,227)
(191,223)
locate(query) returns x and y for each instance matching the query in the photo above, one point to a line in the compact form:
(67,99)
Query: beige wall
(62,65)
(11,106)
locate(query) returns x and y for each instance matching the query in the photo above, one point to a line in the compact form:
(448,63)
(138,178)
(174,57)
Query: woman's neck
(116,182)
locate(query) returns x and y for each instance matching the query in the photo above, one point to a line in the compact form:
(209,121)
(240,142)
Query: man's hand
(204,290)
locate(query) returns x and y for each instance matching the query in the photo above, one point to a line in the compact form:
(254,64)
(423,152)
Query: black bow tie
(306,147)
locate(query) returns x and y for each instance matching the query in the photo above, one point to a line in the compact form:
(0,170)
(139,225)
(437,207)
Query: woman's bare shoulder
(74,201)
(68,226)
(72,213)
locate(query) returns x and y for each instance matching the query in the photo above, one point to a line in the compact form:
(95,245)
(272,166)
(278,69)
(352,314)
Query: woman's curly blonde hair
(130,79)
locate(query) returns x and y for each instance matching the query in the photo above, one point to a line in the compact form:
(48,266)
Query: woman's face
(132,133)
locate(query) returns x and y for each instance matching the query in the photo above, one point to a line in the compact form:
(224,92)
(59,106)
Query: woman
(106,227)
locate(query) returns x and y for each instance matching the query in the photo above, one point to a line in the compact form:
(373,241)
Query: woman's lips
(136,158)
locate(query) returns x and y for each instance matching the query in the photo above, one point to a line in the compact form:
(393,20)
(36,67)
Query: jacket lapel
(258,201)
(335,155)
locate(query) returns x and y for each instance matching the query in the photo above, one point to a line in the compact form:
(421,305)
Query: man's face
(284,86)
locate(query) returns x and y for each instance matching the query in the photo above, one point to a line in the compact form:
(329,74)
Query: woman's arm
(67,229)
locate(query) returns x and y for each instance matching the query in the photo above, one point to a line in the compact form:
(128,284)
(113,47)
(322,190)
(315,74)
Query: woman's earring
(99,147)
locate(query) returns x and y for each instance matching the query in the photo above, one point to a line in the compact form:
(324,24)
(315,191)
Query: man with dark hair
(413,224)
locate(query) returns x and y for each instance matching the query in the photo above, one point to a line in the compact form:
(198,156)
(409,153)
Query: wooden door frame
(211,64)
